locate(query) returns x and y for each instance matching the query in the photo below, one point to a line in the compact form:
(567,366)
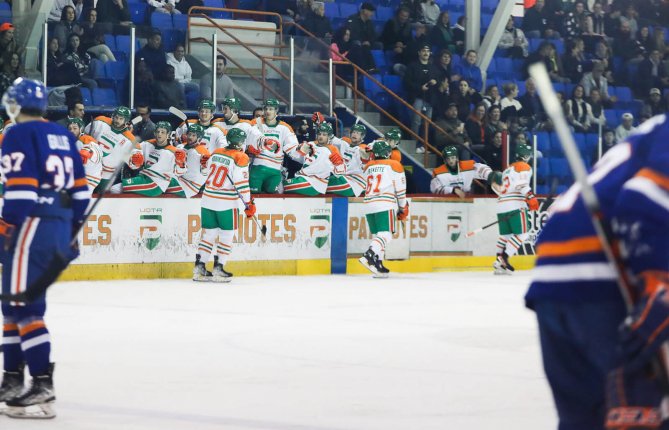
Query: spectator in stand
(443,65)
(645,39)
(92,37)
(596,79)
(630,17)
(420,38)
(493,152)
(546,54)
(510,106)
(144,130)
(624,45)
(302,130)
(414,8)
(442,35)
(56,12)
(430,12)
(363,37)
(258,113)
(169,92)
(595,101)
(625,128)
(533,113)
(57,72)
(144,84)
(319,25)
(555,69)
(597,23)
(493,123)
(654,105)
(113,13)
(575,22)
(163,6)
(339,49)
(286,8)
(492,97)
(182,70)
(396,37)
(513,42)
(535,21)
(419,81)
(608,141)
(651,74)
(604,55)
(465,97)
(441,98)
(80,60)
(67,25)
(75,109)
(224,85)
(659,43)
(579,111)
(7,41)
(455,133)
(574,61)
(185,5)
(475,127)
(10,70)
(153,53)
(469,71)
(459,35)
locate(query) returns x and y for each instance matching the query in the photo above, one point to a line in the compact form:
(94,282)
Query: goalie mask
(236,138)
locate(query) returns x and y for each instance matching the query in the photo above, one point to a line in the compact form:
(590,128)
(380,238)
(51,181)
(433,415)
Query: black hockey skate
(502,265)
(12,386)
(218,272)
(200,272)
(37,401)
(382,271)
(367,260)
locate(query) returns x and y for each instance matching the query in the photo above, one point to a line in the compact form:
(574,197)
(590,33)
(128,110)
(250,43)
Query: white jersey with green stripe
(253,135)
(515,187)
(93,166)
(445,180)
(112,142)
(193,179)
(228,179)
(288,144)
(214,135)
(317,167)
(159,164)
(386,186)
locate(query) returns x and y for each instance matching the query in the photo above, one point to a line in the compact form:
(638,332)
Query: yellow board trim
(442,264)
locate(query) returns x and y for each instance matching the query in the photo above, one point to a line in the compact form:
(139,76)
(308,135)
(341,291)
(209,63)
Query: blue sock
(36,346)
(11,347)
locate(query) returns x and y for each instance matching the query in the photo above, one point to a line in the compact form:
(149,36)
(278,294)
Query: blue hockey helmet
(25,94)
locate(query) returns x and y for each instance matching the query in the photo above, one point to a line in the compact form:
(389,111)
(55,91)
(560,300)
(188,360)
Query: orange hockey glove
(403,213)
(336,159)
(250,209)
(86,154)
(180,158)
(137,159)
(252,150)
(7,231)
(532,202)
(204,159)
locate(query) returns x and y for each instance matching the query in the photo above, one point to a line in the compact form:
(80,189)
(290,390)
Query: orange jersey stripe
(82,182)
(658,178)
(581,245)
(10,326)
(35,325)
(22,181)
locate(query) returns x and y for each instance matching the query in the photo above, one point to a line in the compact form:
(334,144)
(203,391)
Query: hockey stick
(60,262)
(262,228)
(178,113)
(591,202)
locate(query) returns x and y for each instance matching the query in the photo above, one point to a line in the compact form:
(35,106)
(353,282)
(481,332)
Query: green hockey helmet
(77,121)
(236,138)
(359,128)
(233,103)
(207,104)
(381,149)
(164,125)
(272,103)
(524,151)
(393,134)
(449,151)
(122,111)
(326,128)
(197,129)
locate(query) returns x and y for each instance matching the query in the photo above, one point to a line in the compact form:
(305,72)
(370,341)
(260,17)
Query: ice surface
(412,352)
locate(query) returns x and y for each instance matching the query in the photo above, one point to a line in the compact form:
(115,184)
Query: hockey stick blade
(136,120)
(178,113)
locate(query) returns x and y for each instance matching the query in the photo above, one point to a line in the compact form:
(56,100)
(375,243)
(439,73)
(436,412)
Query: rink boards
(132,237)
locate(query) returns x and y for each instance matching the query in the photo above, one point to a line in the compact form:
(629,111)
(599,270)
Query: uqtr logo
(150,220)
(320,229)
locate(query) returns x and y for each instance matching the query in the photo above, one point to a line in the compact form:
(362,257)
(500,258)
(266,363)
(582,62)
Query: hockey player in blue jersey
(45,197)
(579,307)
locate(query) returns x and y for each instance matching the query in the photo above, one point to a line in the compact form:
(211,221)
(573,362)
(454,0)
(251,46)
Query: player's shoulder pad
(128,135)
(104,119)
(396,155)
(346,139)
(86,139)
(224,130)
(285,124)
(521,166)
(394,164)
(244,121)
(241,159)
(171,148)
(333,149)
(467,165)
(202,149)
(439,170)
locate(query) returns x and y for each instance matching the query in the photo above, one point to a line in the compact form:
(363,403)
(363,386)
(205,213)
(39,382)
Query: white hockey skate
(502,265)
(12,386)
(37,402)
(219,274)
(201,274)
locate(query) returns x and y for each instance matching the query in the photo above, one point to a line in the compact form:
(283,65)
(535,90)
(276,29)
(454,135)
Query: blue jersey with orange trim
(632,184)
(40,162)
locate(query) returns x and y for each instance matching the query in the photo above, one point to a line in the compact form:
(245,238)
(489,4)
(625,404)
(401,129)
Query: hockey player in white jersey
(268,155)
(214,135)
(515,197)
(190,183)
(456,177)
(352,183)
(163,163)
(385,200)
(321,159)
(227,184)
(231,108)
(91,154)
(113,135)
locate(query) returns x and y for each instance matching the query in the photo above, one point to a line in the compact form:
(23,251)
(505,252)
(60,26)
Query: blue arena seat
(86,96)
(560,168)
(371,88)
(332,10)
(394,84)
(384,13)
(138,13)
(347,9)
(110,41)
(180,22)
(104,97)
(162,21)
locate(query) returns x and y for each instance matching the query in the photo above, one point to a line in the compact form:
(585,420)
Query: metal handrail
(260,57)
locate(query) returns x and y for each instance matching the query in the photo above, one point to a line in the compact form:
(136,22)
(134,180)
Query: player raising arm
(456,177)
(91,154)
(352,183)
(190,183)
